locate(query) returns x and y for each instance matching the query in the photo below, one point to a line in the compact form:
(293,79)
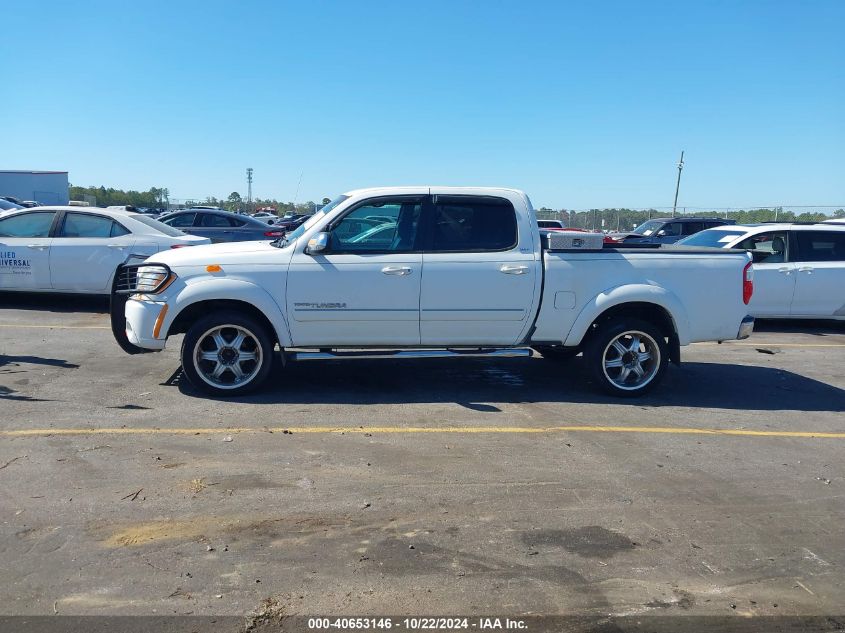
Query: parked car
(556,225)
(29,204)
(668,230)
(551,225)
(265,216)
(799,269)
(7,205)
(220,226)
(291,222)
(77,249)
(12,199)
(153,213)
(423,272)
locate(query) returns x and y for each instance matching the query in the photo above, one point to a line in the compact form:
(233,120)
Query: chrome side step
(485,352)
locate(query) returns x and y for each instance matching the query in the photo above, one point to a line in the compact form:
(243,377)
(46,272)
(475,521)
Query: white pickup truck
(430,271)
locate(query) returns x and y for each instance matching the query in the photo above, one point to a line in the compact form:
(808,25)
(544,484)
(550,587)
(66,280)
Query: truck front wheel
(227,353)
(628,357)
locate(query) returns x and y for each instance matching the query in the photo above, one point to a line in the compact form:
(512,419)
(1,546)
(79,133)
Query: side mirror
(661,233)
(318,244)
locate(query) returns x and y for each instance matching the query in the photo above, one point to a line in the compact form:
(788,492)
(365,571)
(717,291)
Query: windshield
(161,227)
(5,205)
(647,228)
(293,235)
(712,237)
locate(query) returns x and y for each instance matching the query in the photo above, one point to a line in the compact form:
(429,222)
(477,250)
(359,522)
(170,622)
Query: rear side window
(766,248)
(27,225)
(467,223)
(820,246)
(181,220)
(212,220)
(87,225)
(692,227)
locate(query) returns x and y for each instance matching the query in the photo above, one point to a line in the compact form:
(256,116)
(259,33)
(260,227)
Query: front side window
(86,225)
(820,246)
(670,229)
(27,225)
(380,226)
(466,224)
(181,220)
(766,248)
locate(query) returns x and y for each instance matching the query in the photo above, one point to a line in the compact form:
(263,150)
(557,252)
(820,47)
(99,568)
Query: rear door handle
(396,270)
(39,247)
(805,269)
(513,270)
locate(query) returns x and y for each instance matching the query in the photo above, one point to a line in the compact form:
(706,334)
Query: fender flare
(630,293)
(221,289)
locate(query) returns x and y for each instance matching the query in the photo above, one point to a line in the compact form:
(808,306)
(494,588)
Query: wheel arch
(648,303)
(193,302)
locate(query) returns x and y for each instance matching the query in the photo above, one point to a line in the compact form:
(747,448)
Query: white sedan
(77,249)
(799,269)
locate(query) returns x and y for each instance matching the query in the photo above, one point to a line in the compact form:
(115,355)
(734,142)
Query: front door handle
(39,247)
(805,269)
(116,245)
(785,270)
(396,270)
(513,270)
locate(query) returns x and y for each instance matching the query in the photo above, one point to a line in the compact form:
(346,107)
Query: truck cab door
(364,288)
(479,277)
(25,250)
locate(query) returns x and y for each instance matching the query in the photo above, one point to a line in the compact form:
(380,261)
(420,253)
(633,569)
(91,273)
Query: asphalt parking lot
(408,487)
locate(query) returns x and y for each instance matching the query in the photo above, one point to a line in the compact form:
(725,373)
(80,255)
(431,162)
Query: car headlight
(152,279)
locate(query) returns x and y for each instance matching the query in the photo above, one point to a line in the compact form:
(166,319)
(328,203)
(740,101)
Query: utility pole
(678,184)
(249,188)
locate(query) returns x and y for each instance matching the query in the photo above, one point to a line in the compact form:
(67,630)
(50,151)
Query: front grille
(126,279)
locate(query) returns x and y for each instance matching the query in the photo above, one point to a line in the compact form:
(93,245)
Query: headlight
(152,279)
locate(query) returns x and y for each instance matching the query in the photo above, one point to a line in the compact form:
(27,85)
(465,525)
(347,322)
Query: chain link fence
(625,219)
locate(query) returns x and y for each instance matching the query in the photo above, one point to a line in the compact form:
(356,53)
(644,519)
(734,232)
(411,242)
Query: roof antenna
(296,197)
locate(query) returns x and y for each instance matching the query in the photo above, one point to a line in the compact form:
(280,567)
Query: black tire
(601,351)
(229,324)
(557,352)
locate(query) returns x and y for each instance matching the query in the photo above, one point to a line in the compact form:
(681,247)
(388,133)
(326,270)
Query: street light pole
(678,184)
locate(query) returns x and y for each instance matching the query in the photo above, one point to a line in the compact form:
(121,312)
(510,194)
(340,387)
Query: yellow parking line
(671,430)
(56,327)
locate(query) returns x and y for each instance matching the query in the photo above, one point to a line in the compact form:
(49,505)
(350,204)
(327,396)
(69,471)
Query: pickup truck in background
(430,272)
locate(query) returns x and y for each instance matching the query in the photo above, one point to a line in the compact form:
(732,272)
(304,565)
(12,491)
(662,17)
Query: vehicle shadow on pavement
(54,302)
(820,327)
(480,384)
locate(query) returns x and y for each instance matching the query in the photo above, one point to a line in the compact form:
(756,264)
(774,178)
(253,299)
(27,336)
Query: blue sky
(580,104)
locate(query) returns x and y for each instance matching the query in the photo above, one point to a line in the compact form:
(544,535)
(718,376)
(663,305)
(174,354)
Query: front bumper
(745,328)
(143,319)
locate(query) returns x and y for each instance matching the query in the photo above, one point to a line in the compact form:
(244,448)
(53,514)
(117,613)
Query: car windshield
(647,228)
(5,205)
(711,237)
(155,224)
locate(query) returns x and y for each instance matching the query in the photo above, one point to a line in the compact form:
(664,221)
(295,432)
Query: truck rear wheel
(227,353)
(628,357)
